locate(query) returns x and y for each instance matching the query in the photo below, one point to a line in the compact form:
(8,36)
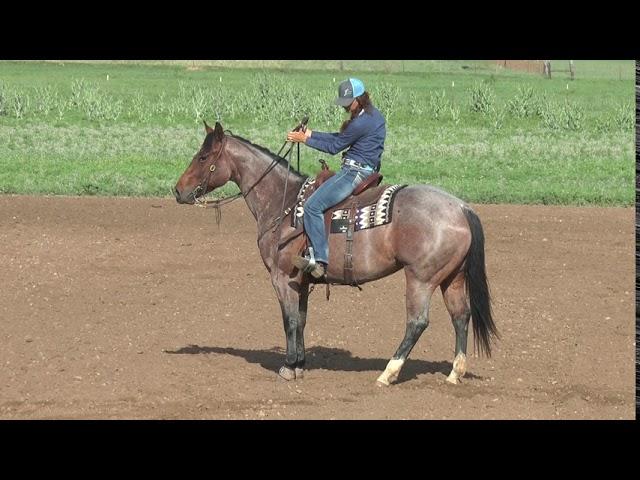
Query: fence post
(571,69)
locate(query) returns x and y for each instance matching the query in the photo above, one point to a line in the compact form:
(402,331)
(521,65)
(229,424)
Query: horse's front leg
(302,321)
(292,295)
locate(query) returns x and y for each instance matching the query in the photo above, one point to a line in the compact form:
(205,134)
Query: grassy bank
(484,134)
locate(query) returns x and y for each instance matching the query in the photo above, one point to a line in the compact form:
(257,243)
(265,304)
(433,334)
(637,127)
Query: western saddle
(365,193)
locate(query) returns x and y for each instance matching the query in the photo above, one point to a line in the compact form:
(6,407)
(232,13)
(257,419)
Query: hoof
(287,373)
(381,384)
(299,373)
(453,379)
(460,365)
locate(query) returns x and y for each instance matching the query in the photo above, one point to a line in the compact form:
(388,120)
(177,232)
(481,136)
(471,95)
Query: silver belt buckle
(361,166)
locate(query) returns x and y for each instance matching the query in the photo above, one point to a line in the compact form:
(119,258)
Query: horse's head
(208,170)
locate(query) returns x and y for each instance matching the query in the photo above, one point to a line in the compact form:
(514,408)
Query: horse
(435,237)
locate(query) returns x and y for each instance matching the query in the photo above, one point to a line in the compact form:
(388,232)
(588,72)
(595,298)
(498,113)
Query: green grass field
(485,134)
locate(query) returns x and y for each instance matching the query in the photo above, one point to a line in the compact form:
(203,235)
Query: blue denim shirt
(364,136)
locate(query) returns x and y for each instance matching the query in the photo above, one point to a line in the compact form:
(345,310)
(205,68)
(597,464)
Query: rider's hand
(299,137)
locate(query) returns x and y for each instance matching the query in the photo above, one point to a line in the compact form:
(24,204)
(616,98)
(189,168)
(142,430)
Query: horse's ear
(218,131)
(207,128)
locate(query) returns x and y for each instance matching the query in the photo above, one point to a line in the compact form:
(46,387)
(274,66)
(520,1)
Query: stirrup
(313,266)
(309,262)
(312,261)
(310,266)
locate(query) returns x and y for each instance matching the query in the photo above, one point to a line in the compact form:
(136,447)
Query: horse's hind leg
(455,299)
(418,297)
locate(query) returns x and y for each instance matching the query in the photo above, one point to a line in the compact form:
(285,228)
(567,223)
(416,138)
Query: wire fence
(582,69)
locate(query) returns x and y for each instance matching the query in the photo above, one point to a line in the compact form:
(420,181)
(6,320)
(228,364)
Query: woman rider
(362,135)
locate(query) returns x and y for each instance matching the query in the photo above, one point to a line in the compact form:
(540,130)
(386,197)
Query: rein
(216,204)
(276,225)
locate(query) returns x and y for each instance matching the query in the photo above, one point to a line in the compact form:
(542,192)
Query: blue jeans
(330,193)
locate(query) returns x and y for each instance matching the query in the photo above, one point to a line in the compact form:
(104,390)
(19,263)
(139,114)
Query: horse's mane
(281,160)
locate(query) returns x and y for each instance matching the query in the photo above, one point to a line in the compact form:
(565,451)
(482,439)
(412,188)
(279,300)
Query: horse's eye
(202,158)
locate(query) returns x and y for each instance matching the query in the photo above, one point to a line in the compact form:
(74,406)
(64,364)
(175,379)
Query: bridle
(202,186)
(276,224)
(216,204)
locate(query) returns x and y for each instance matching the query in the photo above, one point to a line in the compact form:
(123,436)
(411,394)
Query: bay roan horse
(434,236)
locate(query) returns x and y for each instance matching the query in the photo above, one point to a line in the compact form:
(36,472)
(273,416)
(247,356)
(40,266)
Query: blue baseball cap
(348,90)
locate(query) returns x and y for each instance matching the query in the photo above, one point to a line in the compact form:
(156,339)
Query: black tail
(478,288)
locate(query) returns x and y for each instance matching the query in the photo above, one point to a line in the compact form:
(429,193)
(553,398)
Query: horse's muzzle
(182,198)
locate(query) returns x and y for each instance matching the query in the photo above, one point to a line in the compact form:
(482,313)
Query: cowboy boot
(316,270)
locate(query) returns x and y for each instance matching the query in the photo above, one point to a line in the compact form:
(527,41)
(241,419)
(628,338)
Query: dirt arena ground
(143,309)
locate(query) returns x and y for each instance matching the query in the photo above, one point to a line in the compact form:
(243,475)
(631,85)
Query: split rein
(216,204)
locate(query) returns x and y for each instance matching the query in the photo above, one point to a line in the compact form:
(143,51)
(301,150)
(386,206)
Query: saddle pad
(369,216)
(296,218)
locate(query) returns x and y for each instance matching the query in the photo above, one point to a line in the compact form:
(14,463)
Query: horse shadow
(325,358)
